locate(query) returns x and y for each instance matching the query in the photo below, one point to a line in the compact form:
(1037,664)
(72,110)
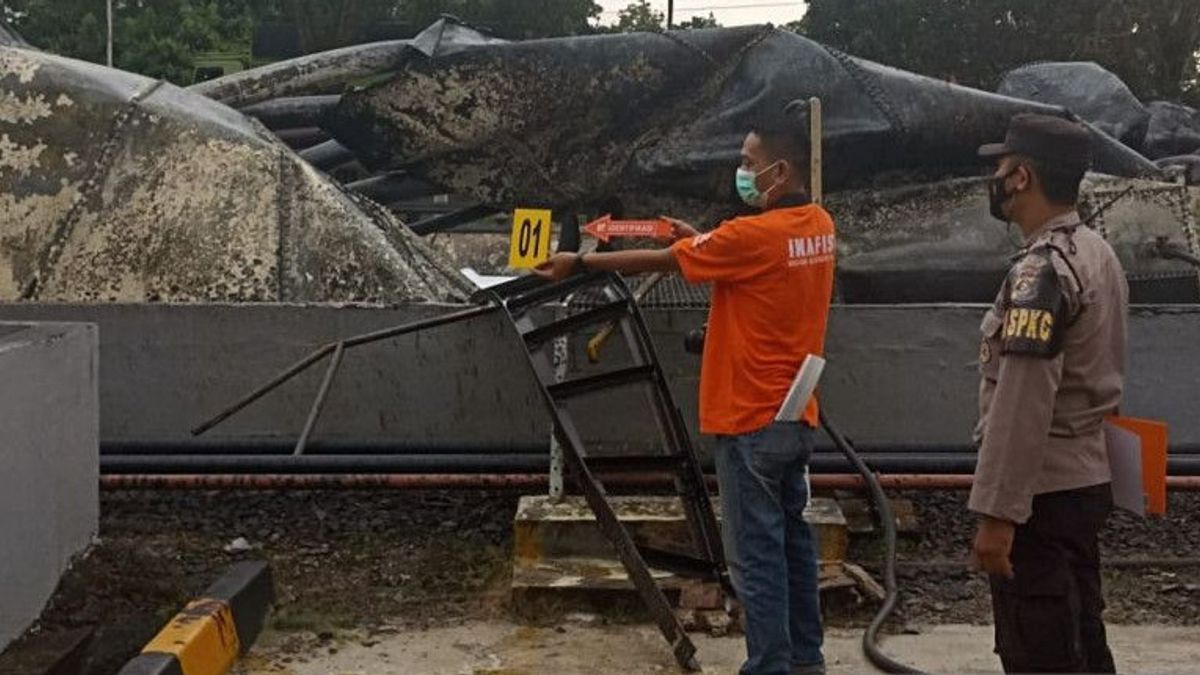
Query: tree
(696,22)
(1151,44)
(328,24)
(514,19)
(160,38)
(640,17)
(157,38)
(70,27)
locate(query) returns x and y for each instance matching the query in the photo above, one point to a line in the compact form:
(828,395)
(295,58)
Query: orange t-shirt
(772,277)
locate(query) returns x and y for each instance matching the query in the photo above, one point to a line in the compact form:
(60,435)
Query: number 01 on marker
(530,243)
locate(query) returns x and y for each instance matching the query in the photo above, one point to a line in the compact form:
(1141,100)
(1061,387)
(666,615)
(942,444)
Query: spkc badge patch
(1034,317)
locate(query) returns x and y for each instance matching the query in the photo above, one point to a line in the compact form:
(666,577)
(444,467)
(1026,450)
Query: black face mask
(998,194)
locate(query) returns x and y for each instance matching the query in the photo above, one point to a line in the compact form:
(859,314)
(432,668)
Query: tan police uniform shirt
(1041,415)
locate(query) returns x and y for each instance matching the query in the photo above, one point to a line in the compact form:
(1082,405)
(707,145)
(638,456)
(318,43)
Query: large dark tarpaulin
(118,188)
(658,119)
(1174,130)
(1088,90)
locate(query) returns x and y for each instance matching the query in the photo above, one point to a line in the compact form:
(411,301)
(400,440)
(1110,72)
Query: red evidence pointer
(605,228)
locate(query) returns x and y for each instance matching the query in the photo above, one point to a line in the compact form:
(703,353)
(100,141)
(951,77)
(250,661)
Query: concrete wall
(896,374)
(907,374)
(49,421)
(166,368)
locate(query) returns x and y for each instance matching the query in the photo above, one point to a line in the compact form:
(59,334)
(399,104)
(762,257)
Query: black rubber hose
(883,510)
(1175,254)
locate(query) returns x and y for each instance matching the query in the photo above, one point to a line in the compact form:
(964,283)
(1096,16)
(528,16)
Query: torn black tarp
(653,117)
(1174,130)
(1086,89)
(330,72)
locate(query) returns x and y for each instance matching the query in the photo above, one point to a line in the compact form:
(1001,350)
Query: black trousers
(1048,617)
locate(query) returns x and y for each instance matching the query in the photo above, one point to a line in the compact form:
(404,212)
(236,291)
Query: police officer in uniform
(1051,362)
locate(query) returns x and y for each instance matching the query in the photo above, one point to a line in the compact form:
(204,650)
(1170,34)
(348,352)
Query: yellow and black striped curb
(209,635)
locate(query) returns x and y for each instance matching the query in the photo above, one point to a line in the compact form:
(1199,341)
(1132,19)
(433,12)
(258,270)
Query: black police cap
(1052,140)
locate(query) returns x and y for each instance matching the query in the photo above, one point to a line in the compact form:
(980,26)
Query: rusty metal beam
(532,482)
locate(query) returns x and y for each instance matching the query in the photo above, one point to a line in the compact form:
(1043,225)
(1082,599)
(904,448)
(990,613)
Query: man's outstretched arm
(637,261)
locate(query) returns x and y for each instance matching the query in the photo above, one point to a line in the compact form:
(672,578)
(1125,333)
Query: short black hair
(1059,184)
(785,136)
(786,139)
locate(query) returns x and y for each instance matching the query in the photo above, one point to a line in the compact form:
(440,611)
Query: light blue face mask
(746,182)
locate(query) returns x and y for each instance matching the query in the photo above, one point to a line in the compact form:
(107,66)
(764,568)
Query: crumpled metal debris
(332,71)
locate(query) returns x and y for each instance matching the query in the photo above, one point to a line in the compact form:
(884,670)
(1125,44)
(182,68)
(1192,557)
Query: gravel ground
(339,560)
(353,560)
(937,587)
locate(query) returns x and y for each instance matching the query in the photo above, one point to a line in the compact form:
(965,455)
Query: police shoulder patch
(1035,309)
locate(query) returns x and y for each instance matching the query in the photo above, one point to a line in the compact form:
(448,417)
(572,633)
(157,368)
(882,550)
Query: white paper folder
(1125,461)
(802,389)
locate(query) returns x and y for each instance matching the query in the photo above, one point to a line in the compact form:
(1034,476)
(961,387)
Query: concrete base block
(547,529)
(560,556)
(49,448)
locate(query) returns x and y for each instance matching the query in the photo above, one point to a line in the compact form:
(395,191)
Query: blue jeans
(769,547)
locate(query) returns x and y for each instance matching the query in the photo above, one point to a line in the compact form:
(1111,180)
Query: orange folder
(1153,435)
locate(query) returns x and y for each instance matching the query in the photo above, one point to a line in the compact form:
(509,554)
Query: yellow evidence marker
(530,244)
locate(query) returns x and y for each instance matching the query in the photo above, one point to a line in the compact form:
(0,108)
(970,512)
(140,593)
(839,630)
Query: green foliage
(1151,44)
(695,22)
(640,17)
(328,24)
(157,38)
(161,38)
(514,19)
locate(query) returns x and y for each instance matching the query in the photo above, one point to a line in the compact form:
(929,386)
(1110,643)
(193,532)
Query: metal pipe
(312,358)
(948,482)
(447,221)
(335,362)
(327,155)
(523,482)
(292,371)
(285,445)
(392,187)
(302,138)
(322,482)
(951,463)
(292,111)
(216,462)
(415,326)
(1109,563)
(963,449)
(324,464)
(531,482)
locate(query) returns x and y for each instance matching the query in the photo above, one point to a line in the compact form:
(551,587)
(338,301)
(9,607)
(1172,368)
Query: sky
(728,12)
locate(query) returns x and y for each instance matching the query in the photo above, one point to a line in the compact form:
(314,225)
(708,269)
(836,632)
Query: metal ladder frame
(518,298)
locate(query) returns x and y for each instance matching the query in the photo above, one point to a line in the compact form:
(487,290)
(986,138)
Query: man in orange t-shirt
(772,280)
